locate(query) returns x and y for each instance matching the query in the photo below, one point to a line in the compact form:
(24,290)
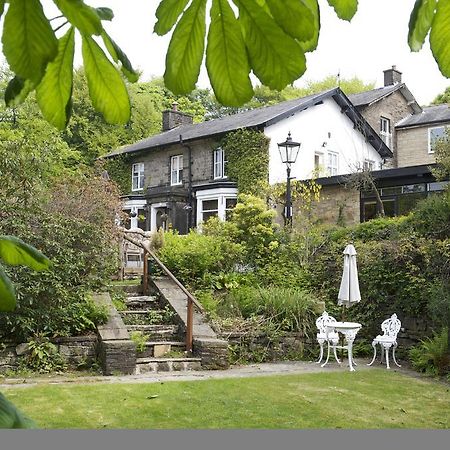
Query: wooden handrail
(191,300)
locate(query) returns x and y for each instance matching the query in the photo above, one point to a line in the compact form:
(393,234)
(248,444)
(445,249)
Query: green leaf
(186,48)
(7,292)
(276,58)
(81,16)
(311,44)
(106,88)
(17,91)
(167,14)
(420,23)
(226,57)
(345,9)
(105,13)
(11,417)
(440,37)
(14,252)
(54,93)
(118,55)
(29,43)
(294,17)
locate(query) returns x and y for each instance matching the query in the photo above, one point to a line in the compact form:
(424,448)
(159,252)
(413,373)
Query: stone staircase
(155,328)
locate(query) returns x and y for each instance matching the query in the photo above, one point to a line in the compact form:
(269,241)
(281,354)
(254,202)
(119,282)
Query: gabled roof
(430,115)
(368,98)
(257,118)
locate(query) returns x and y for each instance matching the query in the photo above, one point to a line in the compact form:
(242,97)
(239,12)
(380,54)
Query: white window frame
(386,135)
(332,163)
(444,127)
(369,165)
(319,168)
(219,194)
(219,163)
(176,170)
(137,176)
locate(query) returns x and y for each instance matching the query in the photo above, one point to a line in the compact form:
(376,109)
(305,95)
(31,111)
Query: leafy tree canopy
(444,97)
(266,37)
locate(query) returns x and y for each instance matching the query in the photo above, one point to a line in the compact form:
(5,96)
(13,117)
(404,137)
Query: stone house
(410,131)
(179,177)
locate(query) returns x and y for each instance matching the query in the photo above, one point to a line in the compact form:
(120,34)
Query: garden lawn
(367,399)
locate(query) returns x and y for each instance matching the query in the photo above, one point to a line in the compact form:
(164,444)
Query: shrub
(432,355)
(194,256)
(43,356)
(431,218)
(291,309)
(83,254)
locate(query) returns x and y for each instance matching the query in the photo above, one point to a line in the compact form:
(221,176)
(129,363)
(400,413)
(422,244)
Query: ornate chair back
(323,320)
(391,327)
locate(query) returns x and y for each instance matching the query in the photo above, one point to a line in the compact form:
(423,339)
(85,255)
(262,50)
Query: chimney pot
(392,76)
(175,106)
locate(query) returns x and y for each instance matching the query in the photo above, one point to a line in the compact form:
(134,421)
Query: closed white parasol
(349,290)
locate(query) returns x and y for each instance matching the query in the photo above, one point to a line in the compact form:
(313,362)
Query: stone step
(141,298)
(161,348)
(146,365)
(156,332)
(129,312)
(135,289)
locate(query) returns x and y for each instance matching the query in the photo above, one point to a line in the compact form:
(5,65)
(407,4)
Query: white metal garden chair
(325,336)
(387,340)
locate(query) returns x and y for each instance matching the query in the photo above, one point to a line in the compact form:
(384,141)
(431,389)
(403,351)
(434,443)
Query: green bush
(42,356)
(56,301)
(431,218)
(193,257)
(291,309)
(432,355)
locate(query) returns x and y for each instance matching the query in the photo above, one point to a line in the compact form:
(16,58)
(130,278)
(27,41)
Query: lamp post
(288,152)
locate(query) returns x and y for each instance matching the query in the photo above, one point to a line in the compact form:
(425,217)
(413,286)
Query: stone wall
(337,204)
(393,107)
(412,147)
(77,351)
(157,163)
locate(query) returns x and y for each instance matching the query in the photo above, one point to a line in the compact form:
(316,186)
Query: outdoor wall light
(288,152)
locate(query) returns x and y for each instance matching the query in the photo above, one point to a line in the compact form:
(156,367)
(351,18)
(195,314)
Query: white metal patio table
(349,330)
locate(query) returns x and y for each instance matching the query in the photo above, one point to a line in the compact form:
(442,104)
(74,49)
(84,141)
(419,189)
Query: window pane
(389,208)
(407,202)
(210,205)
(411,188)
(230,203)
(437,186)
(207,215)
(369,210)
(391,190)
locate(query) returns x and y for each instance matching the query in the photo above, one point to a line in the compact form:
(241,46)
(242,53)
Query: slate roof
(429,115)
(375,95)
(256,118)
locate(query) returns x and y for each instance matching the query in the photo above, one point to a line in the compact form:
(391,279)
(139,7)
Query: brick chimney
(392,76)
(172,118)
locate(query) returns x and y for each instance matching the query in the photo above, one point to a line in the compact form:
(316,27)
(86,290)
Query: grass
(366,399)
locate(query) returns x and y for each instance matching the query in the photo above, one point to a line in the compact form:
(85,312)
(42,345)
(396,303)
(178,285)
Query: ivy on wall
(119,170)
(247,153)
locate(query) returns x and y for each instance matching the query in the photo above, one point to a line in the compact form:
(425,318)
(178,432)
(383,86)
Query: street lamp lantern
(288,151)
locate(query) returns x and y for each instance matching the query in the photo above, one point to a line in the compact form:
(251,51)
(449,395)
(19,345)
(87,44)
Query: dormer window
(137,177)
(385,131)
(219,164)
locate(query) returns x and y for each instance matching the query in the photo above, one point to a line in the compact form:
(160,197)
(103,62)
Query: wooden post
(145,274)
(189,324)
